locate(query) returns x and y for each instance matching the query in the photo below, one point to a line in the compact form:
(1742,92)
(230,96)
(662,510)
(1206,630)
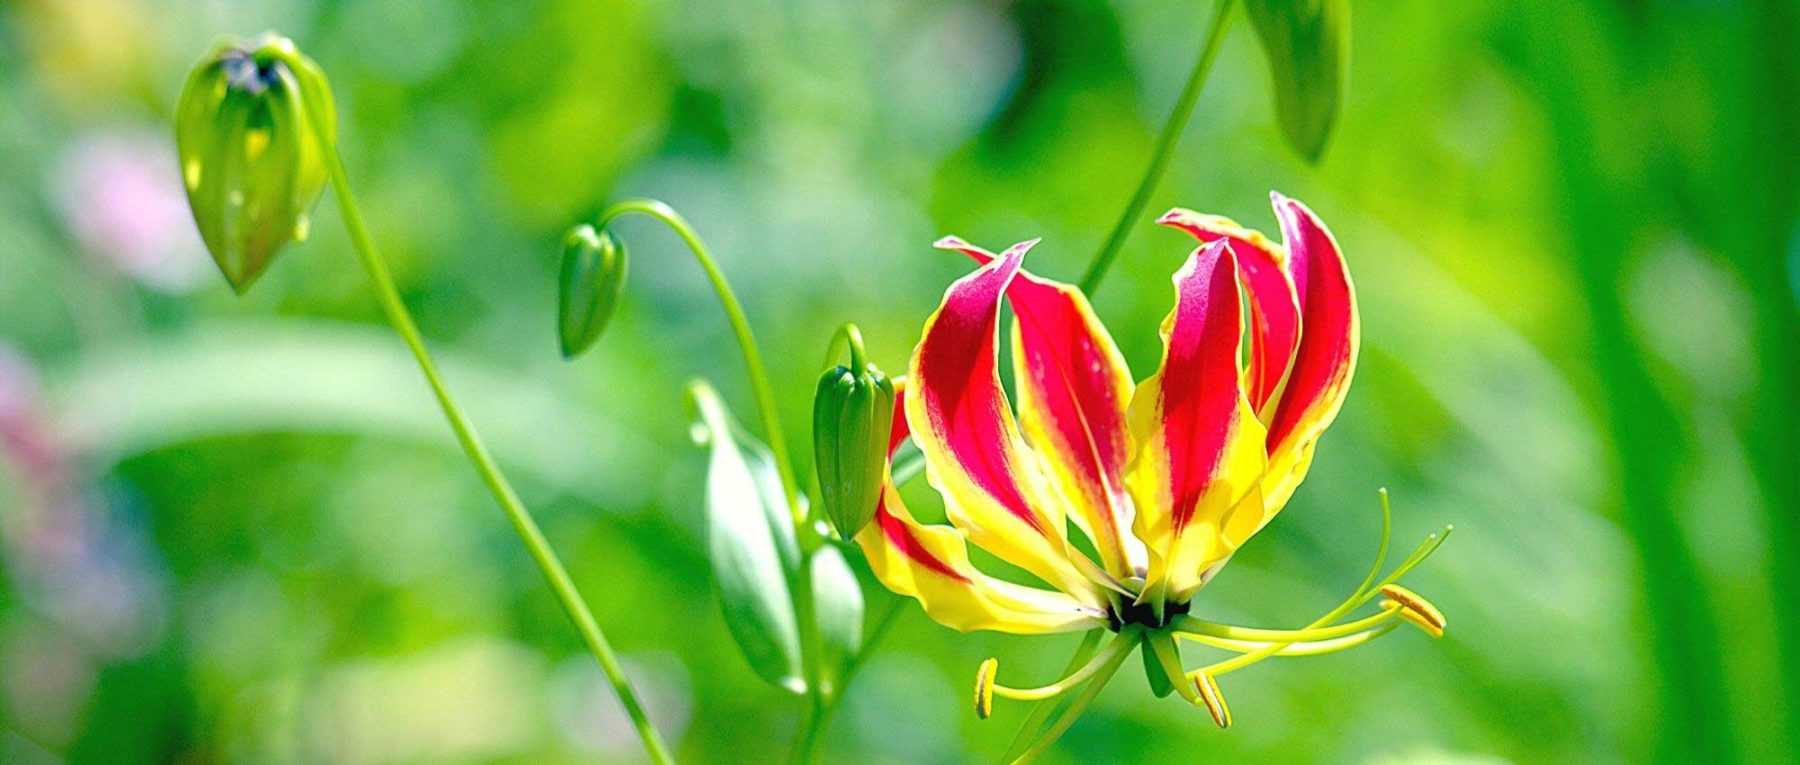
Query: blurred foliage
(234,530)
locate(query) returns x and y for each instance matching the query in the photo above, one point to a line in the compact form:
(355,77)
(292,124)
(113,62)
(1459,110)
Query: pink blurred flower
(120,193)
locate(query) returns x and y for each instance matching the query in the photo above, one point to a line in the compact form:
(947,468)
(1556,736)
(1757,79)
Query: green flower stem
(800,589)
(528,530)
(851,335)
(806,614)
(1165,150)
(1041,710)
(817,727)
(1120,650)
(740,326)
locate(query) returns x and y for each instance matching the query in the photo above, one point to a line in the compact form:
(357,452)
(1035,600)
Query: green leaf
(1308,45)
(838,602)
(750,541)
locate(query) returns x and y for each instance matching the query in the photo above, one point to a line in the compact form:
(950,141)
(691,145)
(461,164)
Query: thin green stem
(805,614)
(800,590)
(496,482)
(816,731)
(1080,704)
(740,326)
(1165,150)
(1041,710)
(848,333)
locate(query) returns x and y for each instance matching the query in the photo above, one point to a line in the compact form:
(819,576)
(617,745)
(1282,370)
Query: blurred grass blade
(750,543)
(1307,43)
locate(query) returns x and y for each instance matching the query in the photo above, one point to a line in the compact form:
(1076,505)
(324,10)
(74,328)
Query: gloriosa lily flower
(1165,479)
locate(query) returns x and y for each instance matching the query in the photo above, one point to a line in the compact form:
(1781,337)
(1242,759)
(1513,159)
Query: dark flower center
(244,73)
(1143,615)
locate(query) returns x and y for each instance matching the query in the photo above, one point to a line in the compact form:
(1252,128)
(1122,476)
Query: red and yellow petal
(931,564)
(991,483)
(1199,448)
(1073,386)
(1274,308)
(1326,357)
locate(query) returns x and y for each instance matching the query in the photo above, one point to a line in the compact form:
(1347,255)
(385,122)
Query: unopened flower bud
(853,414)
(593,277)
(249,161)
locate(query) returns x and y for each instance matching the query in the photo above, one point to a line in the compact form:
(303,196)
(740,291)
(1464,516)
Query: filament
(1124,642)
(1302,648)
(1188,625)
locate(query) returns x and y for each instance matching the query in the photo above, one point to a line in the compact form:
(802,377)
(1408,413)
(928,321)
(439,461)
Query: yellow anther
(1409,615)
(984,688)
(1416,609)
(1213,699)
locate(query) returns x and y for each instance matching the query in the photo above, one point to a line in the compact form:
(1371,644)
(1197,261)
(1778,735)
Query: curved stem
(1079,705)
(496,482)
(851,334)
(740,326)
(801,589)
(1165,149)
(806,615)
(815,732)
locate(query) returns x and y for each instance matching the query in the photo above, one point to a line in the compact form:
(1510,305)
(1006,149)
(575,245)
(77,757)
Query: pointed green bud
(593,277)
(251,168)
(1307,43)
(853,415)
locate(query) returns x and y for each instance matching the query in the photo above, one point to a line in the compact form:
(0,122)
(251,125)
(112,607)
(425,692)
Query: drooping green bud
(853,415)
(1307,43)
(249,162)
(593,276)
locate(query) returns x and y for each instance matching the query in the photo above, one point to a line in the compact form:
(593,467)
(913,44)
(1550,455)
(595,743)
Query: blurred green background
(235,530)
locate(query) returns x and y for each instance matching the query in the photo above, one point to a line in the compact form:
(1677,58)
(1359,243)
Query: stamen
(1417,606)
(1207,688)
(1257,645)
(985,681)
(1419,621)
(1189,625)
(984,687)
(1432,542)
(1303,648)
